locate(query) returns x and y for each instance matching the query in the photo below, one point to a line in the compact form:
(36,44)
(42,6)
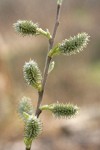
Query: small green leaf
(26,115)
(59,2)
(51,66)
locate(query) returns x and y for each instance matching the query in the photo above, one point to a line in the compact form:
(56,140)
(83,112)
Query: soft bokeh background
(75,79)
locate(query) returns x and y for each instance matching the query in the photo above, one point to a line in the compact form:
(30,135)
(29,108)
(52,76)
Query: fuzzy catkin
(25,106)
(33,128)
(25,27)
(71,46)
(32,74)
(61,110)
(74,44)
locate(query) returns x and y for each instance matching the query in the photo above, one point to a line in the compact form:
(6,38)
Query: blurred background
(75,79)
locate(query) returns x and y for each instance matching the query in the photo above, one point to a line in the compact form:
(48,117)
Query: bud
(25,106)
(61,110)
(71,46)
(33,129)
(32,74)
(26,27)
(51,66)
(59,2)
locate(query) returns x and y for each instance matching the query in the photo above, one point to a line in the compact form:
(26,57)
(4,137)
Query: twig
(27,148)
(47,63)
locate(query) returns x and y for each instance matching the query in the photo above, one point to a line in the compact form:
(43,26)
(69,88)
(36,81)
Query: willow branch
(48,60)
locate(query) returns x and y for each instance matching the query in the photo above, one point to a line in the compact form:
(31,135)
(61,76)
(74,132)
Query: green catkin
(33,128)
(60,110)
(71,46)
(25,27)
(64,110)
(25,106)
(32,74)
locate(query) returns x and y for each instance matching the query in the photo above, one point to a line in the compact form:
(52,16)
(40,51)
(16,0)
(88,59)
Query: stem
(47,63)
(28,148)
(55,26)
